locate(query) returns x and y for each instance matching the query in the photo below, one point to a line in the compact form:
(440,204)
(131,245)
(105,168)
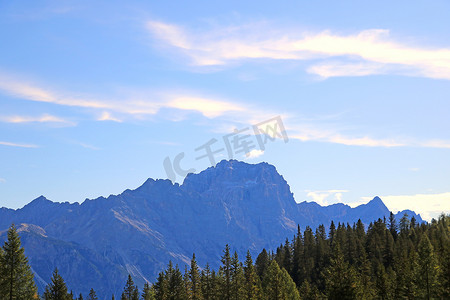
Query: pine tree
(340,278)
(237,277)
(194,276)
(272,282)
(148,293)
(297,260)
(225,270)
(207,284)
(187,285)
(404,224)
(278,285)
(92,295)
(56,289)
(289,289)
(262,263)
(252,282)
(176,285)
(393,225)
(16,278)
(161,285)
(427,269)
(80,297)
(130,291)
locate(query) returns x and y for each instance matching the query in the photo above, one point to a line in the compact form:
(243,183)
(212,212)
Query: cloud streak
(135,106)
(362,53)
(45,118)
(306,132)
(10,144)
(129,105)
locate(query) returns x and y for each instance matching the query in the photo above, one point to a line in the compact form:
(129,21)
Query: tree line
(385,261)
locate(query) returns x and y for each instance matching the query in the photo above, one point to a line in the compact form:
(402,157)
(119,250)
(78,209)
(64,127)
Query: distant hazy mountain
(97,243)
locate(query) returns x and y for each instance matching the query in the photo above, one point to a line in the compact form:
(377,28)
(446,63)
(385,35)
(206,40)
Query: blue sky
(96,95)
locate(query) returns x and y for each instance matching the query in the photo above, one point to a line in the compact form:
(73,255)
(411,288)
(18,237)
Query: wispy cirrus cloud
(428,205)
(361,53)
(45,118)
(306,132)
(19,145)
(128,105)
(139,106)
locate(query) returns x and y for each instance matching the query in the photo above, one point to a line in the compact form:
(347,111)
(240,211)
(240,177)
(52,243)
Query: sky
(348,99)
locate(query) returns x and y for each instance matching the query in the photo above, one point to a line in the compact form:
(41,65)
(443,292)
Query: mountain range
(97,243)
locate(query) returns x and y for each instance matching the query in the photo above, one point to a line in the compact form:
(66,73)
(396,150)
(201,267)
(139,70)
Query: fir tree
(262,263)
(427,269)
(56,289)
(393,225)
(237,278)
(148,293)
(130,291)
(92,295)
(194,276)
(16,278)
(340,278)
(225,270)
(272,282)
(252,282)
(207,284)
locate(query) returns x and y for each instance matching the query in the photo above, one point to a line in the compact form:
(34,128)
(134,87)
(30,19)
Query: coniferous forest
(386,260)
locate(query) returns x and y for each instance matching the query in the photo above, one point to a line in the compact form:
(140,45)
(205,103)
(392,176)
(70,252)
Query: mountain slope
(139,231)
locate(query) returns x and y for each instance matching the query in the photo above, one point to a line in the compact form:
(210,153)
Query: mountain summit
(101,241)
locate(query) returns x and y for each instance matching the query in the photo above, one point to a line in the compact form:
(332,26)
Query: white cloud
(45,118)
(129,106)
(254,153)
(18,145)
(106,116)
(306,132)
(2,180)
(210,108)
(370,51)
(326,197)
(336,69)
(428,205)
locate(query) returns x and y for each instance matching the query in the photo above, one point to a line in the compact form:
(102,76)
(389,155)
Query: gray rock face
(97,243)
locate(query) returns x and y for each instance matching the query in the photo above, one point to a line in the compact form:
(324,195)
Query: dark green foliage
(195,284)
(16,278)
(384,262)
(225,274)
(148,293)
(252,284)
(92,295)
(262,262)
(130,291)
(277,284)
(340,278)
(428,270)
(56,289)
(349,263)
